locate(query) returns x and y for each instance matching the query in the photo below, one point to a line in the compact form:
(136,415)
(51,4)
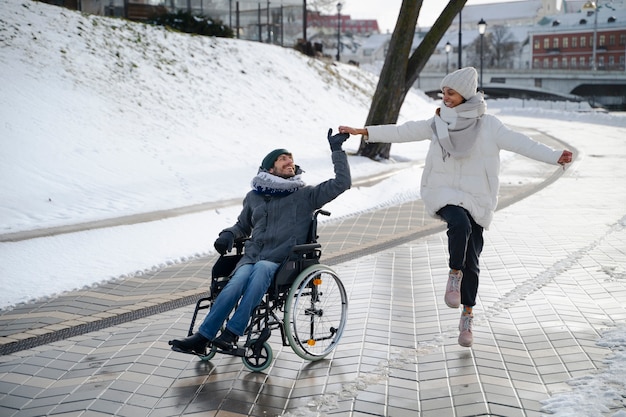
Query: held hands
(352,130)
(336,140)
(224,243)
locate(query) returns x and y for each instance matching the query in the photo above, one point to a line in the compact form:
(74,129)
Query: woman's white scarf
(457,128)
(266,183)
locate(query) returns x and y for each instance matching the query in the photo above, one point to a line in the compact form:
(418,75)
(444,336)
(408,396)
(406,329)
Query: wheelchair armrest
(305,247)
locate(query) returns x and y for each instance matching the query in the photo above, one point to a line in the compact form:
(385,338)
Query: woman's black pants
(465,244)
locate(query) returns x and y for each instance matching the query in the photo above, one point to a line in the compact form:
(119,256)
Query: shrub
(196,24)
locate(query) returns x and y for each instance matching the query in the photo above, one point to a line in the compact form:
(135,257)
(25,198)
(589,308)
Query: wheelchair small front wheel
(258,358)
(315,312)
(209,355)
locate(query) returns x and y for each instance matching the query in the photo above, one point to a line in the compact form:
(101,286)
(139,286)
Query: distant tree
(499,49)
(400,70)
(473,52)
(503,47)
(189,23)
(324,6)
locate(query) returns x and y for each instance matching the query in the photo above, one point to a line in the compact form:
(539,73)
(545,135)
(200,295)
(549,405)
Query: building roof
(606,19)
(497,12)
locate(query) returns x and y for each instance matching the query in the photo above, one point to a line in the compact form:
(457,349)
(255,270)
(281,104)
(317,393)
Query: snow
(102,118)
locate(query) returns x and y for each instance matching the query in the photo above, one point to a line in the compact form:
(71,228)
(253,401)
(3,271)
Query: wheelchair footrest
(235,351)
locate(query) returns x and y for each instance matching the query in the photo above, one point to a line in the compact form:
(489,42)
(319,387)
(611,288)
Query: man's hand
(224,243)
(336,140)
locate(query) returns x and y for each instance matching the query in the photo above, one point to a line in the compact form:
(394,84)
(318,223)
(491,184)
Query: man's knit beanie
(464,81)
(268,161)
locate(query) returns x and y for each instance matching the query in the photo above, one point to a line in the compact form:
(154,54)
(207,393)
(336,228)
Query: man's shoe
(466,338)
(195,344)
(453,289)
(226,341)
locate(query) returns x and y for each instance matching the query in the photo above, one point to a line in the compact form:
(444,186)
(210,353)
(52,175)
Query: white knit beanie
(464,81)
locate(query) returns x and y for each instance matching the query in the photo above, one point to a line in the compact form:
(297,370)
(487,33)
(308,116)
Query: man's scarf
(457,128)
(266,183)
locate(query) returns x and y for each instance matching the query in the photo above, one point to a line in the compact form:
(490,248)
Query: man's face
(284,166)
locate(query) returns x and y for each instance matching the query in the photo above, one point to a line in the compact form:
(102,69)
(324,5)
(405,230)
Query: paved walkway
(552,280)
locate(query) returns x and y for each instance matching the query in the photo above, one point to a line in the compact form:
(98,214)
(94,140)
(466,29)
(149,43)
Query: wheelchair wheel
(258,358)
(209,355)
(315,312)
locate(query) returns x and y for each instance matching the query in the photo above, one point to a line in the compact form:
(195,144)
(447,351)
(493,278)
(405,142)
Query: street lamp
(482,27)
(448,50)
(339,6)
(460,36)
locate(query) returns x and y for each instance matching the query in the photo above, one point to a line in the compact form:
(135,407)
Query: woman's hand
(566,158)
(352,130)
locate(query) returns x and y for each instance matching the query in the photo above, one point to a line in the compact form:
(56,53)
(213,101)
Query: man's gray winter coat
(275,224)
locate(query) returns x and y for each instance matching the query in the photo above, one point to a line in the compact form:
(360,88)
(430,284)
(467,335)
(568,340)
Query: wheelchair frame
(310,295)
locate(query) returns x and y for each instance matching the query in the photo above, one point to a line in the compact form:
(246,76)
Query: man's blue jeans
(250,283)
(465,244)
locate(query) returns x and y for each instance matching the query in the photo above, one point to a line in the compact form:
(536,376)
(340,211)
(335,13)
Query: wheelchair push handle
(322,212)
(312,237)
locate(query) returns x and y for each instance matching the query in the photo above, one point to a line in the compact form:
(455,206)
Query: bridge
(600,88)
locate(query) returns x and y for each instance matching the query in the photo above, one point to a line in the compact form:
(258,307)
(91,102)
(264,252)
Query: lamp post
(482,27)
(304,19)
(460,37)
(448,50)
(339,5)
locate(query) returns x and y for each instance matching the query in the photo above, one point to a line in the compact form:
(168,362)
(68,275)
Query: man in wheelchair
(276,216)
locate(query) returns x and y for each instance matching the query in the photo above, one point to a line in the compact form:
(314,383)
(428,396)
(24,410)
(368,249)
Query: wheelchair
(310,296)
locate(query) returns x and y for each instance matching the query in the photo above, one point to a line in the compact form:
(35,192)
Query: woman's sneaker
(466,338)
(453,289)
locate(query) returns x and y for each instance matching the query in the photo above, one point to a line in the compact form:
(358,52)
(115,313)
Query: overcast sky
(387,12)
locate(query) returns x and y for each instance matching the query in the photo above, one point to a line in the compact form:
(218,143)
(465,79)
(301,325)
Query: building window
(536,63)
(546,63)
(602,40)
(581,62)
(573,63)
(622,39)
(555,42)
(564,62)
(536,44)
(574,42)
(583,41)
(565,42)
(546,43)
(611,61)
(555,62)
(601,62)
(612,40)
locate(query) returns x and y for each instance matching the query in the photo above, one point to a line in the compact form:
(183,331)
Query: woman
(460,181)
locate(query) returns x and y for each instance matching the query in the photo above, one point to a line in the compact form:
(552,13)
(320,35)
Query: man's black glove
(336,140)
(224,243)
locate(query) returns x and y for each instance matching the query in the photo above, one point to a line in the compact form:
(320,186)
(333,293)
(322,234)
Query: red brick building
(569,45)
(328,23)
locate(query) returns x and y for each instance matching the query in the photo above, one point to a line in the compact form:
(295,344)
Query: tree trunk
(400,71)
